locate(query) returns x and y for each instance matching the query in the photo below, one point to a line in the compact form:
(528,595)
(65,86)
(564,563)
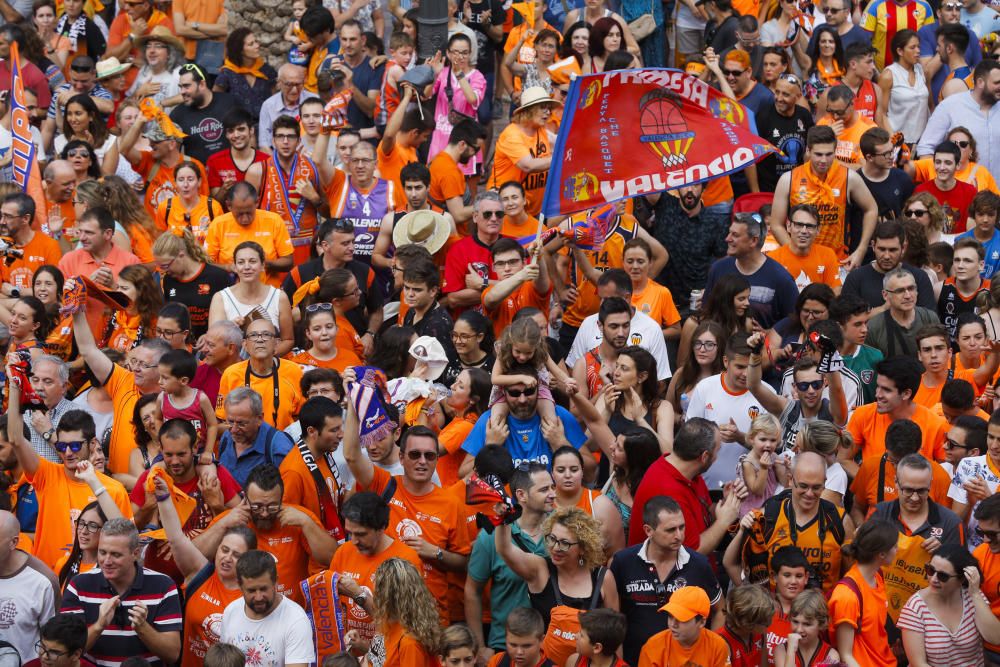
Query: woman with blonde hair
(127,208)
(188,276)
(572,579)
(130,326)
(925,209)
(407,615)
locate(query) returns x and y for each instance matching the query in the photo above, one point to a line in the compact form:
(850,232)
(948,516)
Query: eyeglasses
(8,216)
(78,153)
(951,444)
(88,526)
(49,653)
(343,225)
(74,446)
(909,492)
(260,336)
(316,307)
(356,292)
(292,84)
(815,488)
(732,72)
(191,68)
(486,215)
(804,226)
(135,365)
(915,212)
(902,290)
(506,262)
(518,393)
(806,386)
(285,137)
(461,54)
(888,155)
(416,456)
(167,333)
(705,345)
(963,144)
(943,577)
(362,160)
(555,543)
(269,508)
(827,11)
(238,423)
(461,337)
(748,39)
(988,535)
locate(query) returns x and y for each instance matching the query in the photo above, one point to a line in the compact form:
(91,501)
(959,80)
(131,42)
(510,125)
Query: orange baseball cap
(688,602)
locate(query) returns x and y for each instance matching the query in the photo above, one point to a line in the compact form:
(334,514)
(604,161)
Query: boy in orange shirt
(686,641)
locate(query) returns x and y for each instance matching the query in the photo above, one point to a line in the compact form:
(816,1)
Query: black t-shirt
(204,126)
(788,134)
(641,593)
(723,37)
(890,194)
(485,46)
(197,293)
(866,282)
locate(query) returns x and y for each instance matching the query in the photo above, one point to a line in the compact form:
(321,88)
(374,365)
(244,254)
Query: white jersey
(27,601)
(282,637)
(645,333)
(712,400)
(972,467)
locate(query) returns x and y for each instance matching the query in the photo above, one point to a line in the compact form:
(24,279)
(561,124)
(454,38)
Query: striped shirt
(119,641)
(884,18)
(964,647)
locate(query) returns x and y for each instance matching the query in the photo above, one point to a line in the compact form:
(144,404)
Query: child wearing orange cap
(686,640)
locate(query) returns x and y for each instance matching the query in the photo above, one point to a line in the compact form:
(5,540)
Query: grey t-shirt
(881,337)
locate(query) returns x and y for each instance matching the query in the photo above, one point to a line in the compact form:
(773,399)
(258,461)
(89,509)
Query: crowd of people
(298,375)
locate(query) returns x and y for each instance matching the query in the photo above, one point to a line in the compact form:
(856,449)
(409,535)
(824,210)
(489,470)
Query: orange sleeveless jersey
(272,198)
(608,257)
(832,206)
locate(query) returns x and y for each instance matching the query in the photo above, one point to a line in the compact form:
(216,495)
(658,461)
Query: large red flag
(22,147)
(634,132)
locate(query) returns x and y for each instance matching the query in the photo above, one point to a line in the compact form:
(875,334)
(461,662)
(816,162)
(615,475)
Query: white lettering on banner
(683,84)
(614,190)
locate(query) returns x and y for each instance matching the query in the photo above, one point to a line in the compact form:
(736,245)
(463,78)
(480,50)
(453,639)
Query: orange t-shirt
(662,650)
(451,438)
(402,650)
(40,250)
(202,611)
(868,428)
(124,393)
(345,357)
(931,396)
(197,219)
(819,266)
(267,229)
(512,146)
(523,296)
(300,487)
(989,563)
(447,182)
(865,484)
(162,186)
(871,642)
(82,568)
(656,301)
(60,501)
(524,232)
(290,548)
(389,165)
(199,11)
(347,339)
(849,141)
(119,31)
(434,516)
(289,392)
(349,562)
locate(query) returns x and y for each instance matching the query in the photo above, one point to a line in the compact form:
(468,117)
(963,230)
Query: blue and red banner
(22,147)
(635,132)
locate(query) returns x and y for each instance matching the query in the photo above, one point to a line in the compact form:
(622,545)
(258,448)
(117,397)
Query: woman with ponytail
(187,276)
(858,603)
(126,208)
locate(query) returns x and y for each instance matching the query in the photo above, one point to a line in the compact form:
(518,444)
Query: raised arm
(187,556)
(769,400)
(361,466)
(26,455)
(92,355)
(530,567)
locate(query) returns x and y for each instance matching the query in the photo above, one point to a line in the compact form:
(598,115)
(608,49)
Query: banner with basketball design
(636,132)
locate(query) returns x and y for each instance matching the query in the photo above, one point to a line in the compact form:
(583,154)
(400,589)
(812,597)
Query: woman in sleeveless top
(567,472)
(251,293)
(214,580)
(537,73)
(631,456)
(705,361)
(571,579)
(130,326)
(146,422)
(903,106)
(633,401)
(82,557)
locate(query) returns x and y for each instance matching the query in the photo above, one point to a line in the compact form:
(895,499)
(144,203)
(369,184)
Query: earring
(581,562)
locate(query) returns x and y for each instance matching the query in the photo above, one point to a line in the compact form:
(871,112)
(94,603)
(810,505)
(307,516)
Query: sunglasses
(790,78)
(80,153)
(991,535)
(963,144)
(318,307)
(915,212)
(74,446)
(416,456)
(343,225)
(518,393)
(806,386)
(733,72)
(191,68)
(943,577)
(491,214)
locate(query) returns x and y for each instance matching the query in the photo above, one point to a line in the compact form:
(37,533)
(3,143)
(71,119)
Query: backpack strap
(211,209)
(880,488)
(389,491)
(198,580)
(598,580)
(853,585)
(269,446)
(170,205)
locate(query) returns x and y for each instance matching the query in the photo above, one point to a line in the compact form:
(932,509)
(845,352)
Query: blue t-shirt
(773,291)
(758,99)
(928,47)
(525,442)
(239,468)
(992,247)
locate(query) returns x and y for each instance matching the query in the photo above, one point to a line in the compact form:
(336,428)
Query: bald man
(285,102)
(802,504)
(29,590)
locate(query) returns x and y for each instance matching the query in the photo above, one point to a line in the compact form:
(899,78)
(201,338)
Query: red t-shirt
(220,165)
(208,378)
(663,479)
(469,250)
(955,203)
(202,515)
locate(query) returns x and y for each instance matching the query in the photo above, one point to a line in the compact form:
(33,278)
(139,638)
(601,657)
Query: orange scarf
(183,503)
(819,184)
(830,77)
(253,69)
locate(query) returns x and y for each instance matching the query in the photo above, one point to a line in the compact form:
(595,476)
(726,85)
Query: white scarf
(78,29)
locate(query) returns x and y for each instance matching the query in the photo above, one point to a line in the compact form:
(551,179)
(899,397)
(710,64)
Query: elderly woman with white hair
(159,76)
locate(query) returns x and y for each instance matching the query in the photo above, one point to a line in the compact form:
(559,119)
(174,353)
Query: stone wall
(268,19)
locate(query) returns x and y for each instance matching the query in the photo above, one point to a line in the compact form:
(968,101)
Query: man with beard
(213,491)
(229,166)
(422,515)
(366,518)
(593,370)
(449,190)
(309,471)
(264,622)
(783,123)
(17,217)
(291,534)
(647,574)
(693,237)
(200,117)
(933,62)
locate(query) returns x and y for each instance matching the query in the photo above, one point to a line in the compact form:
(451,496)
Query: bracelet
(101,491)
(163,498)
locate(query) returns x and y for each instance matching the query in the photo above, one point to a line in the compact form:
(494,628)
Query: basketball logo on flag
(663,127)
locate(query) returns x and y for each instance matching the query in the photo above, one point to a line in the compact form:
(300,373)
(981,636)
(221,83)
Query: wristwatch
(360,599)
(48,434)
(440,554)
